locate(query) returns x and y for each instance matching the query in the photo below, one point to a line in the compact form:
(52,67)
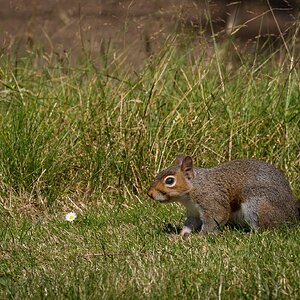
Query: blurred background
(139,28)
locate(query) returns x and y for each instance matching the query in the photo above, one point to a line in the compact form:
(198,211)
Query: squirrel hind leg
(261,211)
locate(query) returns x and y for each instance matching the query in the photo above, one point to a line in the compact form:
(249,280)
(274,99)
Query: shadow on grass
(175,229)
(171,228)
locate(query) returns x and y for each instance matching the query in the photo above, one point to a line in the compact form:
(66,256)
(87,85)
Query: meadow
(90,137)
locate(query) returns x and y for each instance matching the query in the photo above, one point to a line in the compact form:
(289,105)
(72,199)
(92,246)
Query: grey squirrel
(247,193)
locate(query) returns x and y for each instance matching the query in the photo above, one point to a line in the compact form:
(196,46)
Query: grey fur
(246,192)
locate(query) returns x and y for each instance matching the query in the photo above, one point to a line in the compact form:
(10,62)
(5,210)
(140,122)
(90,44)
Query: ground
(139,27)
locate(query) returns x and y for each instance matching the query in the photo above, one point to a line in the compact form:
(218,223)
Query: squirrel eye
(170,180)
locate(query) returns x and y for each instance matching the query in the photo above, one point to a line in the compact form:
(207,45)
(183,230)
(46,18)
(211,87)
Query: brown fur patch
(235,202)
(181,186)
(263,215)
(235,205)
(181,183)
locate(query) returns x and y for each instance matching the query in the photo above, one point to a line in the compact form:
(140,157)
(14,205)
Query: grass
(133,254)
(90,137)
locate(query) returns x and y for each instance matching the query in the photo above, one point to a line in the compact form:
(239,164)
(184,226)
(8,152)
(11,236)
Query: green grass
(90,137)
(135,253)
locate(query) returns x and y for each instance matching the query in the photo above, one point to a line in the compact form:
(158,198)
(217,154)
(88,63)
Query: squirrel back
(245,192)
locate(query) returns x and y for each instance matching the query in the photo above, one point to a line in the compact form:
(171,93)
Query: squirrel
(247,193)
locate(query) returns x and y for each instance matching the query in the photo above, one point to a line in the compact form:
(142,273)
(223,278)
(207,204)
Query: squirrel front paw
(185,231)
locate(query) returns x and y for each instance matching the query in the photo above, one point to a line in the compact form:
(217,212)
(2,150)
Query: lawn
(90,137)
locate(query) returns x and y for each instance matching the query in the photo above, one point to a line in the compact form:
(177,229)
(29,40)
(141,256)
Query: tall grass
(85,129)
(90,137)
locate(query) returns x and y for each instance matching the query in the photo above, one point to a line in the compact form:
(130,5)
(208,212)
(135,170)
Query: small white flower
(71,216)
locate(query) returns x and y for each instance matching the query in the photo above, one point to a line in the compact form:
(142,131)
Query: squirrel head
(174,182)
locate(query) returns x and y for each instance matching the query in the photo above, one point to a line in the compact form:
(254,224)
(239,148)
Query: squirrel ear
(187,167)
(179,159)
